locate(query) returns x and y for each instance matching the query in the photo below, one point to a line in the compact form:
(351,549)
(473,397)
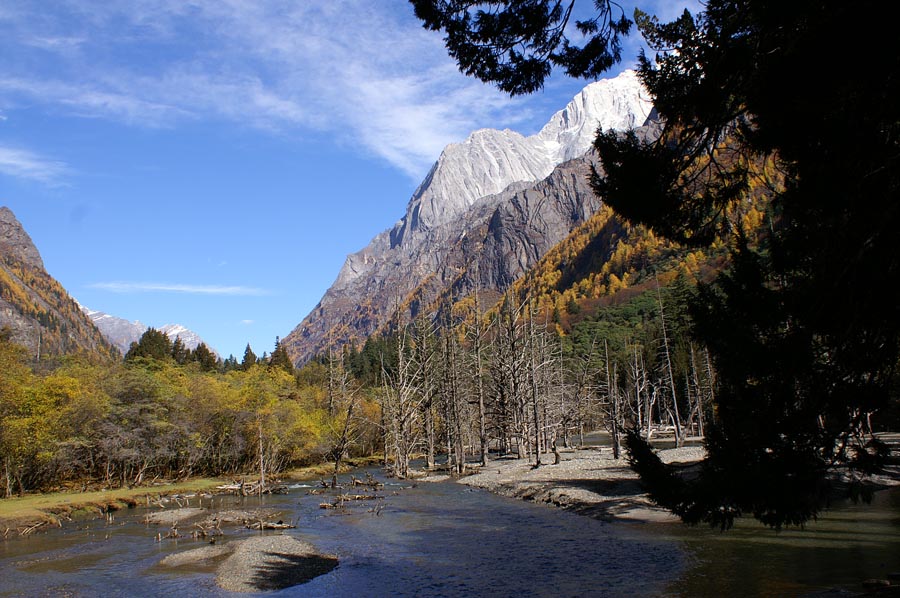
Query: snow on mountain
(525,192)
(489,161)
(121,332)
(190,338)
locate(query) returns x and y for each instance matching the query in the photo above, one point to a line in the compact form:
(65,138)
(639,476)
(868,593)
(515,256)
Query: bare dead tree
(477,334)
(670,376)
(344,396)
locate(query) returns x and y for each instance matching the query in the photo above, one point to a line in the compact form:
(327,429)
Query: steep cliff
(37,310)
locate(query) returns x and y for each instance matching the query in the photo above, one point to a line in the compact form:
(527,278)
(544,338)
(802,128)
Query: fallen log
(358,497)
(261,525)
(251,488)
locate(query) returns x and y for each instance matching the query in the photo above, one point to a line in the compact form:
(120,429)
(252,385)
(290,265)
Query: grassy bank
(31,509)
(18,514)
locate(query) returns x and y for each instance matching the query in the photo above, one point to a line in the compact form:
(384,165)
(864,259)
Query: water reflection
(831,556)
(444,539)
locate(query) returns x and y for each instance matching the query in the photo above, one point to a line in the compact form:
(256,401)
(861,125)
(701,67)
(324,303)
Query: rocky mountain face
(121,332)
(490,208)
(38,311)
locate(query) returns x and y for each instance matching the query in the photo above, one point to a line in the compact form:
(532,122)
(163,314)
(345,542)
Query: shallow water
(444,539)
(434,539)
(830,557)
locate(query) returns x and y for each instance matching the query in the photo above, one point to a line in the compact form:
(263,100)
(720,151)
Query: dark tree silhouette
(803,328)
(515,44)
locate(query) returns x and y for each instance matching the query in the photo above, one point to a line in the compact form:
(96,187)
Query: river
(445,539)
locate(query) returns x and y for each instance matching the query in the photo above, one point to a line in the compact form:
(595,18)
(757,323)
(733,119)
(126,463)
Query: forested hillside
(38,311)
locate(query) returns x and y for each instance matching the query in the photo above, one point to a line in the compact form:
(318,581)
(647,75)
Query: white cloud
(59,44)
(24,164)
(247,322)
(151,287)
(366,73)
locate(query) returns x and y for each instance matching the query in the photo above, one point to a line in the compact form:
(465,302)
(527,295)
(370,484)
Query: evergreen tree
(249,358)
(206,358)
(515,44)
(230,364)
(153,344)
(180,353)
(280,358)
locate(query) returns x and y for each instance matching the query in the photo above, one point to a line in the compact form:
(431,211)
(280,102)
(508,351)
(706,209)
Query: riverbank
(31,512)
(591,482)
(588,481)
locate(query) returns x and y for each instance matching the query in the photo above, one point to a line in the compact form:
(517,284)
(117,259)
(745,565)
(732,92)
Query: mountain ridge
(121,332)
(429,252)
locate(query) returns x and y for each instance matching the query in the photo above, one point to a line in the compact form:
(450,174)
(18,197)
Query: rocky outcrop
(15,242)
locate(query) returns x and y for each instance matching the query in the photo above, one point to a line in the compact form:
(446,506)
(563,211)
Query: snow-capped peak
(490,160)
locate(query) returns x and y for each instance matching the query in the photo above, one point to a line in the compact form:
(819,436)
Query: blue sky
(212,162)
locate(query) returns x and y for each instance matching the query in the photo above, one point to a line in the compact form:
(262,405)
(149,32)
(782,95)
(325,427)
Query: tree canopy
(515,44)
(803,327)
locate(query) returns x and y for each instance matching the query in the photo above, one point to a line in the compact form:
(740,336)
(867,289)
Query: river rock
(272,563)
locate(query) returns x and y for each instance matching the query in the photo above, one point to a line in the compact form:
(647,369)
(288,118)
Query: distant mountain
(490,208)
(121,332)
(190,338)
(36,308)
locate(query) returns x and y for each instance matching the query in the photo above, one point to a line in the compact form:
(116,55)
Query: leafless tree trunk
(533,379)
(679,440)
(477,338)
(345,394)
(424,341)
(612,393)
(401,401)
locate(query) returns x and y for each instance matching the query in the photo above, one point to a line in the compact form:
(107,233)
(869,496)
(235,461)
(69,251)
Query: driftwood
(261,525)
(31,528)
(207,532)
(172,535)
(358,497)
(370,481)
(243,488)
(338,502)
